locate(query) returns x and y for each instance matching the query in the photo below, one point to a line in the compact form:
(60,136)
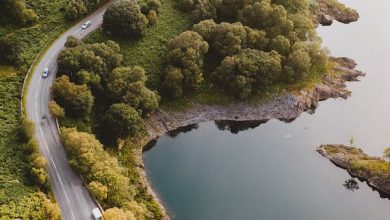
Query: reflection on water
(272,171)
(236,126)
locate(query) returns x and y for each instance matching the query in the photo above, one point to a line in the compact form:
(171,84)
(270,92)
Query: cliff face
(374,170)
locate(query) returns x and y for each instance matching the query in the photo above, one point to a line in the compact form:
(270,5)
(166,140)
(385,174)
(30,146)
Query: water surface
(273,171)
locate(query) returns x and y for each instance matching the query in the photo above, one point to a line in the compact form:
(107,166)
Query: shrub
(122,120)
(76,99)
(248,71)
(56,110)
(185,63)
(124,19)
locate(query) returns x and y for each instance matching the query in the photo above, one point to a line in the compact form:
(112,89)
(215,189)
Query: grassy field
(18,198)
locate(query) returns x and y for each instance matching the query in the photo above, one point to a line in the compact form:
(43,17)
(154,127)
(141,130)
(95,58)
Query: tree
(173,81)
(280,44)
(27,128)
(89,63)
(118,214)
(185,63)
(87,156)
(75,9)
(247,71)
(122,120)
(229,38)
(56,110)
(127,85)
(76,99)
(124,19)
(297,65)
(17,12)
(98,190)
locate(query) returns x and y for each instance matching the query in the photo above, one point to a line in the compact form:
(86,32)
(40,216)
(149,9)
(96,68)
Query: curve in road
(71,194)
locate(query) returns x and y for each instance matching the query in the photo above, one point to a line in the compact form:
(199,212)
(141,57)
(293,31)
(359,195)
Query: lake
(224,170)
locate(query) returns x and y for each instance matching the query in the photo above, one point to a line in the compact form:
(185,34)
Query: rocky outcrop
(329,10)
(285,106)
(374,170)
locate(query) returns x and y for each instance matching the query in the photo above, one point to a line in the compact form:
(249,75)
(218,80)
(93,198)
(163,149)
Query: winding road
(71,194)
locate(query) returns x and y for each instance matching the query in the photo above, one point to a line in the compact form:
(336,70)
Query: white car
(86,24)
(45,72)
(97,215)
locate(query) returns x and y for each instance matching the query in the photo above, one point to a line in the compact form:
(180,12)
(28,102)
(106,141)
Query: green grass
(17,197)
(150,51)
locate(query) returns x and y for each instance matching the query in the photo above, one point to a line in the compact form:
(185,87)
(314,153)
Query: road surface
(72,196)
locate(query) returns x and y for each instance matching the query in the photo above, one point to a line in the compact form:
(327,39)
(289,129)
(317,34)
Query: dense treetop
(258,42)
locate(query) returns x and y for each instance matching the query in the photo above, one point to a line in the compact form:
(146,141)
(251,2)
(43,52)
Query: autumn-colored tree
(56,110)
(76,99)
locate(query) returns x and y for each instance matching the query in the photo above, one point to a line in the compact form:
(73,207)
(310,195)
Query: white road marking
(55,168)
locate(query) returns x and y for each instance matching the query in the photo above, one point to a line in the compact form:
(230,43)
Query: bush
(248,71)
(27,129)
(124,19)
(122,120)
(17,12)
(56,110)
(87,156)
(185,63)
(127,85)
(76,99)
(75,9)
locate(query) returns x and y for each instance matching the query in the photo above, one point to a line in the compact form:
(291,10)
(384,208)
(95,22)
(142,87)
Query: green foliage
(248,71)
(228,39)
(56,110)
(127,85)
(185,63)
(76,99)
(98,190)
(89,63)
(118,214)
(19,45)
(76,9)
(16,11)
(125,19)
(122,120)
(151,50)
(87,156)
(27,129)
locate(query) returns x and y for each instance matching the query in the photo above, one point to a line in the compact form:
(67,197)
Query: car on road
(45,72)
(97,215)
(86,24)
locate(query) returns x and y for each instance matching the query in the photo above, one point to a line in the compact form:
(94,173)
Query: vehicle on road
(45,72)
(97,215)
(86,24)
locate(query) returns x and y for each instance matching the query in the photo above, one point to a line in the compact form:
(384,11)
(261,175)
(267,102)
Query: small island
(374,170)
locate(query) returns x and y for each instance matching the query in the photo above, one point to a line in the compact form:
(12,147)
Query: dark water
(272,171)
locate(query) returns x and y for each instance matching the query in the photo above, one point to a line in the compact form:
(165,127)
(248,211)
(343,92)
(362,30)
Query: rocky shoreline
(285,107)
(329,10)
(374,170)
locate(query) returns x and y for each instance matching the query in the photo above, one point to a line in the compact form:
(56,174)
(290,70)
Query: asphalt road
(72,196)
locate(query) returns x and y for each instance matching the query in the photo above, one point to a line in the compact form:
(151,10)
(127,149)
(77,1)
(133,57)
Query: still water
(272,171)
